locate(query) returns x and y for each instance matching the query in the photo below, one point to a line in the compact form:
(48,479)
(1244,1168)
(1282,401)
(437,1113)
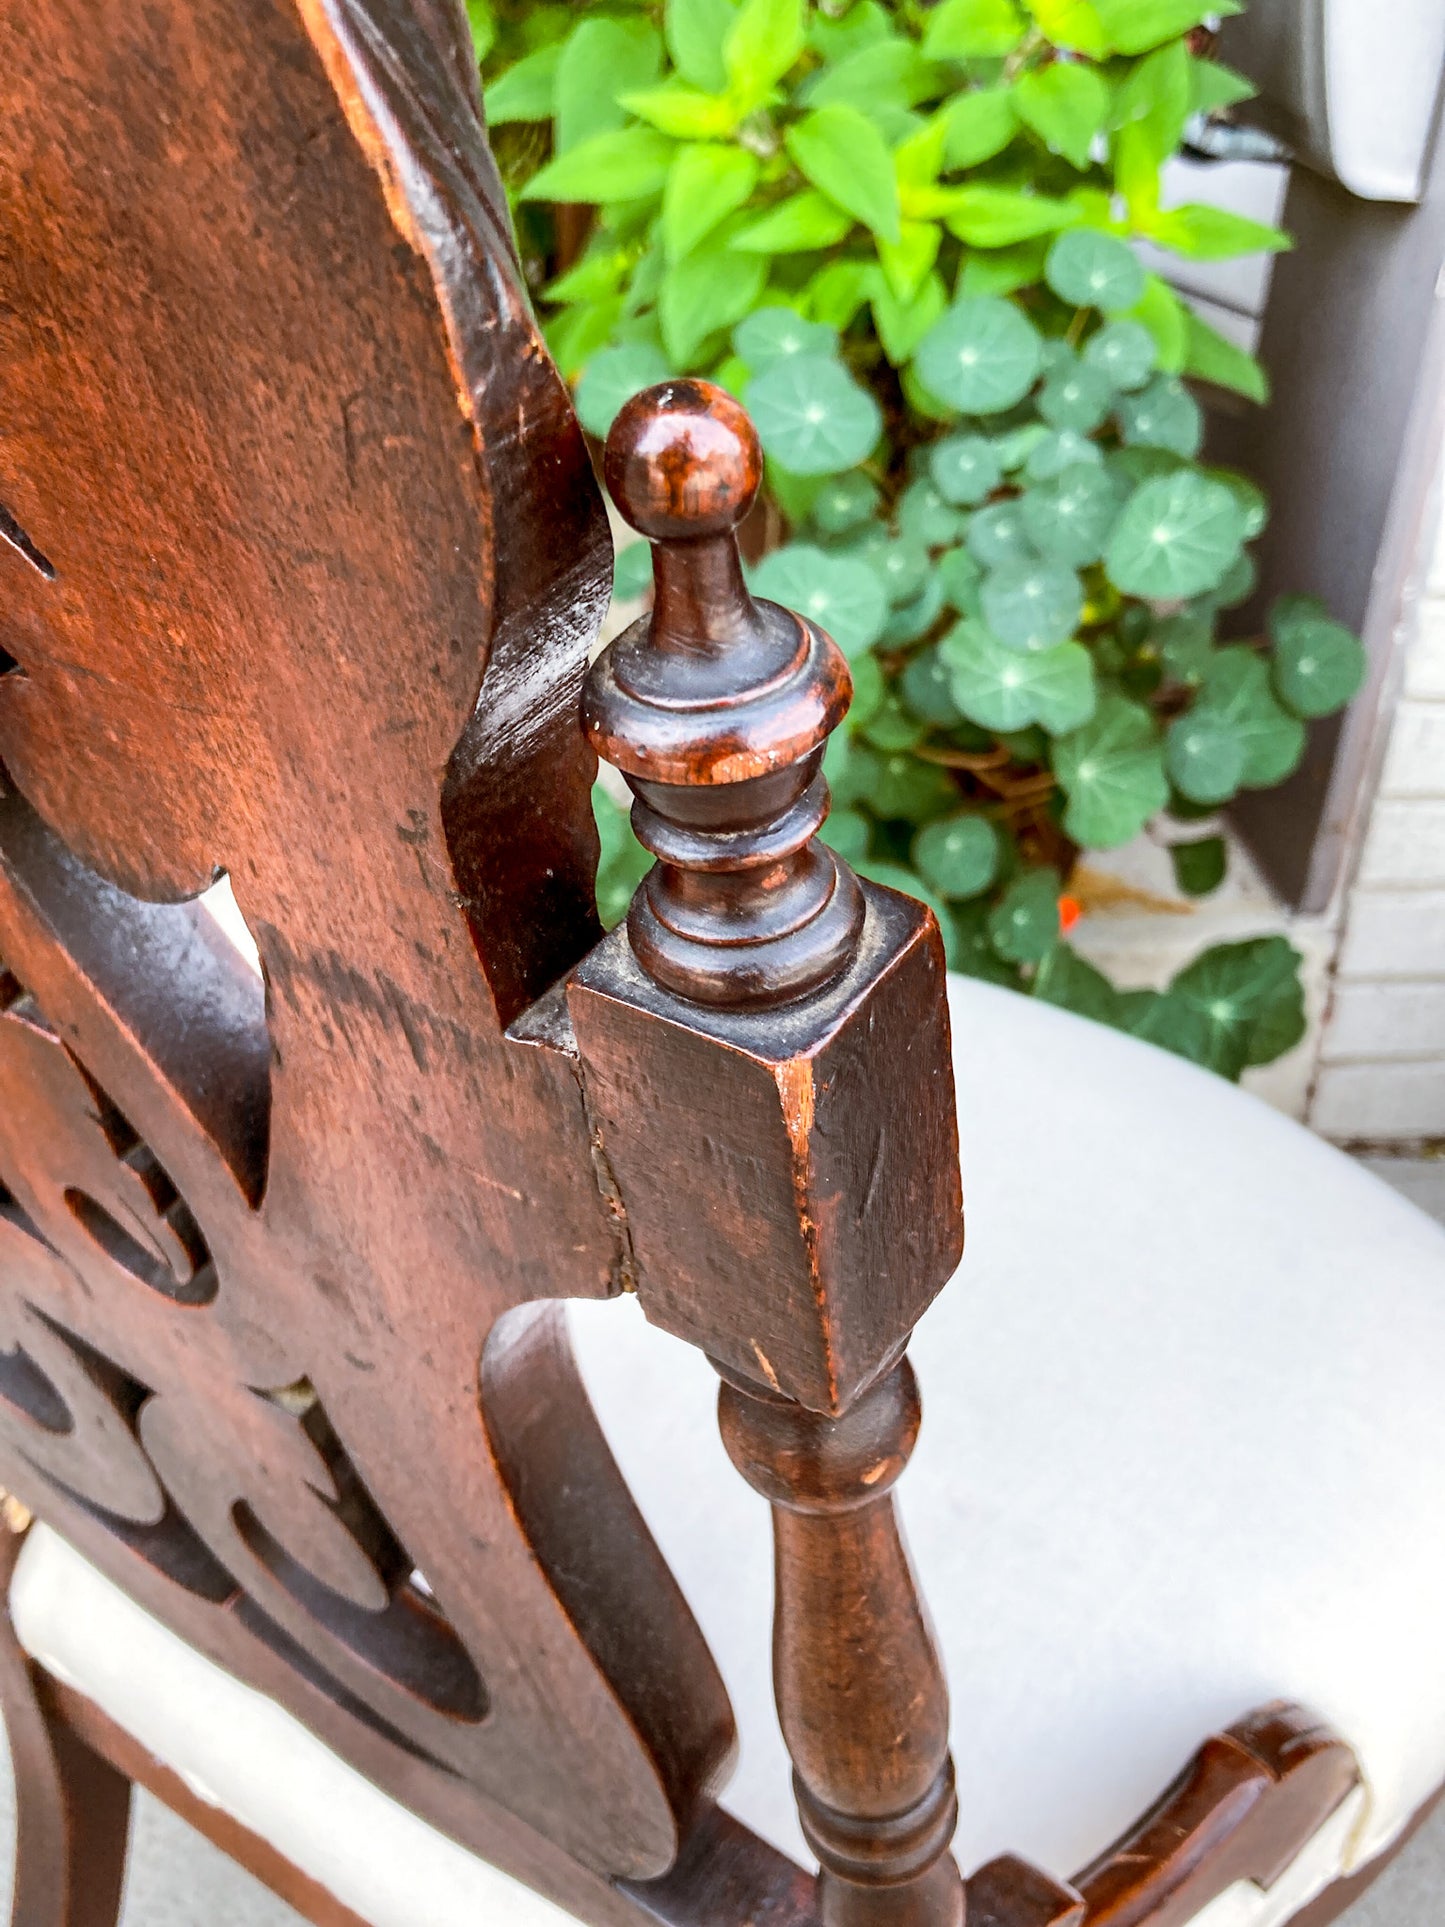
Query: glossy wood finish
(718,710)
(300,561)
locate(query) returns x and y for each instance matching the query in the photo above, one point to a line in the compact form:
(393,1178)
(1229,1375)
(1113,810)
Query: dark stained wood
(72,1806)
(323,556)
(301,557)
(1241,1810)
(765,1026)
(85,1723)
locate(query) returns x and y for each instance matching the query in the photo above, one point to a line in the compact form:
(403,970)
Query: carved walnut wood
(280,439)
(300,559)
(718,709)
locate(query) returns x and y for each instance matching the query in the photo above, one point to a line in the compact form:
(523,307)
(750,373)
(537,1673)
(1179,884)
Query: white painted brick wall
(1381,1074)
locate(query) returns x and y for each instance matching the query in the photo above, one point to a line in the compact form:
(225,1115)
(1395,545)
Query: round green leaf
(997,535)
(1032,605)
(632,571)
(1236,687)
(1069,518)
(999,689)
(961,579)
(1015,448)
(982,356)
(1124,351)
(902,786)
(613,376)
(869,689)
(925,516)
(1184,643)
(844,502)
(912,620)
(1092,270)
(847,832)
(1177,537)
(812,416)
(902,566)
(773,334)
(1163,415)
(1061,449)
(891,726)
(1199,866)
(965,468)
(1077,397)
(927,688)
(838,592)
(1204,755)
(1024,924)
(1252,500)
(1318,664)
(1112,772)
(958,855)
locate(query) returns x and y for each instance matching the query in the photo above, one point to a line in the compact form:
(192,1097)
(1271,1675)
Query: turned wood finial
(717,708)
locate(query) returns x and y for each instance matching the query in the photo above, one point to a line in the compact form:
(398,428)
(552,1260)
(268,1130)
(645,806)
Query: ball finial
(683,461)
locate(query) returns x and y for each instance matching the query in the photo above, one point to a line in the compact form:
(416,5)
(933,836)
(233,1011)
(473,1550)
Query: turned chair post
(718,710)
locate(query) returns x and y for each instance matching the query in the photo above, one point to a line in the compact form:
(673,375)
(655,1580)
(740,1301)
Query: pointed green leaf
(973,29)
(796,226)
(1210,356)
(997,217)
(1203,233)
(1112,771)
(842,153)
(1134,26)
(1071,23)
(1065,104)
(679,110)
(525,91)
(602,60)
(706,292)
(624,166)
(980,124)
(902,325)
(1002,270)
(762,43)
(704,185)
(1166,318)
(1155,100)
(695,32)
(907,262)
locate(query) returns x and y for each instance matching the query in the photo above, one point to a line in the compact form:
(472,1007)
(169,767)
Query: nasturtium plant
(906,237)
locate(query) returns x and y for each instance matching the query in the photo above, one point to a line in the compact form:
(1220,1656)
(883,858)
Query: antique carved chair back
(303,558)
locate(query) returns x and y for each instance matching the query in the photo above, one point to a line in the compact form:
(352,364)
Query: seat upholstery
(1183,1452)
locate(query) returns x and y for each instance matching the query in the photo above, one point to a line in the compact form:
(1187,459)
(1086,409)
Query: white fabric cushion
(1183,1452)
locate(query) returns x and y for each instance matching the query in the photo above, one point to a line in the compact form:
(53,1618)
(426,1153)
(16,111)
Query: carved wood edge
(72,1806)
(1243,1808)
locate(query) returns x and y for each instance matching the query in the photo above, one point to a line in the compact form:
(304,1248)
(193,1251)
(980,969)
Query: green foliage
(905,237)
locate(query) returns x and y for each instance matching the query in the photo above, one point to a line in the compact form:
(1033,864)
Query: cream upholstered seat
(1183,1452)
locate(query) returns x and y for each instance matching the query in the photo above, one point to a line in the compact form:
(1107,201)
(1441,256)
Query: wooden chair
(302,561)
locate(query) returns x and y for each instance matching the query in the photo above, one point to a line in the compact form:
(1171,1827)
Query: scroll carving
(325,557)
